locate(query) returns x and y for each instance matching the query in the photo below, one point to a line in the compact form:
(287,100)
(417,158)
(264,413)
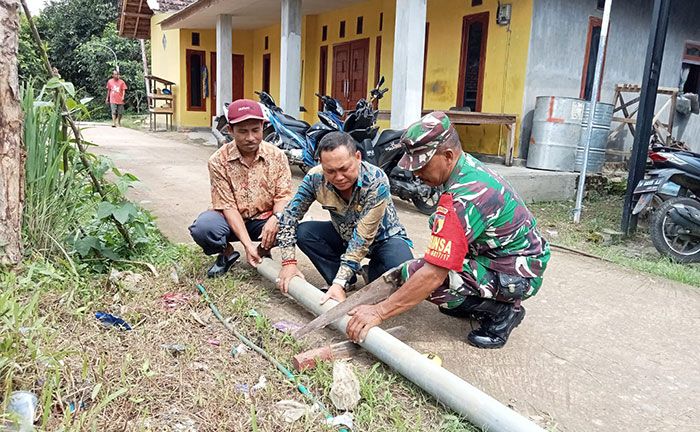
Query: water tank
(599,137)
(556,132)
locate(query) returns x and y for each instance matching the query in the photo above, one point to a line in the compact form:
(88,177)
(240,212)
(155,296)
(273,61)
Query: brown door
(212,91)
(238,78)
(322,73)
(266,73)
(594,26)
(350,66)
(341,72)
(195,95)
(472,62)
(359,60)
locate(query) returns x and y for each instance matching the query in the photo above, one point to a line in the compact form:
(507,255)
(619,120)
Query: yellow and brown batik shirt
(368,218)
(252,190)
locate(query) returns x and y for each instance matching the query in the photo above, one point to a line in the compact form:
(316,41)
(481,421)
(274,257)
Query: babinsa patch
(448,244)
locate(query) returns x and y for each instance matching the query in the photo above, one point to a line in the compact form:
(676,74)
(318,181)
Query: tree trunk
(11,151)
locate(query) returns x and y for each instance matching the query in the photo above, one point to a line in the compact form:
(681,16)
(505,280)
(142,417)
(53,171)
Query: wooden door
(473,61)
(194,60)
(595,25)
(359,59)
(350,66)
(266,73)
(238,80)
(212,90)
(341,72)
(238,77)
(322,74)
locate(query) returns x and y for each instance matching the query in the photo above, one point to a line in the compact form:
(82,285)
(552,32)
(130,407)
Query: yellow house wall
(504,69)
(273,34)
(165,61)
(504,73)
(242,44)
(370,11)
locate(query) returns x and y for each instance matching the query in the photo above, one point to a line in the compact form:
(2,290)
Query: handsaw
(372,293)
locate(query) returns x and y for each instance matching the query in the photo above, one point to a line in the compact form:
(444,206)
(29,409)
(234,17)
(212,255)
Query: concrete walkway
(601,349)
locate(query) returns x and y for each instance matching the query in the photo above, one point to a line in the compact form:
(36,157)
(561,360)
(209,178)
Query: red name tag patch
(448,245)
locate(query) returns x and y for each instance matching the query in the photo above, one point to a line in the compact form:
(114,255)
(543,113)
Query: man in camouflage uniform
(485,254)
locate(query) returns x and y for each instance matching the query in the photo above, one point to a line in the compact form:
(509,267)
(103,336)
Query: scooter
(295,137)
(671,190)
(385,150)
(219,129)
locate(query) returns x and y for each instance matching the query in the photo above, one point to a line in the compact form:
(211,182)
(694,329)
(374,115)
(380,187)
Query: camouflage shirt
(501,232)
(369,217)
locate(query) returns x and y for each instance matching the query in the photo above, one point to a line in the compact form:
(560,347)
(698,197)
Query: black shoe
(499,321)
(466,310)
(222,264)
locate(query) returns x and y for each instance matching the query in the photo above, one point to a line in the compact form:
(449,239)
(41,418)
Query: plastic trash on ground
(175,349)
(174,300)
(110,320)
(22,408)
(239,350)
(262,383)
(291,411)
(286,326)
(345,391)
(125,279)
(341,420)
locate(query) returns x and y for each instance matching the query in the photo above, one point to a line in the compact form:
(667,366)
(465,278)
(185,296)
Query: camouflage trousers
(473,280)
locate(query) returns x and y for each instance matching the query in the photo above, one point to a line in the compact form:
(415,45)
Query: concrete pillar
(290,57)
(407,80)
(224,62)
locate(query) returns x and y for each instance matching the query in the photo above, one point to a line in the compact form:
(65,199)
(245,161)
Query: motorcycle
(220,130)
(384,150)
(295,137)
(672,188)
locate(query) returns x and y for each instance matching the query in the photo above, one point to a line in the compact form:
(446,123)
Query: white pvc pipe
(478,407)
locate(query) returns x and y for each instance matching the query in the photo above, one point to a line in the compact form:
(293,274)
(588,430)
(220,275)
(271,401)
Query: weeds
(88,376)
(603,212)
(64,217)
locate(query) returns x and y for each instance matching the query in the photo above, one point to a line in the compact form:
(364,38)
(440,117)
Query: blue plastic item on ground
(111,320)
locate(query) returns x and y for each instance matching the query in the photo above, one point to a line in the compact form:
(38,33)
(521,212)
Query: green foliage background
(72,31)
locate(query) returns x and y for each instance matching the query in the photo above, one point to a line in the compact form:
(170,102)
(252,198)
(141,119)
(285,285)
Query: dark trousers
(324,247)
(211,231)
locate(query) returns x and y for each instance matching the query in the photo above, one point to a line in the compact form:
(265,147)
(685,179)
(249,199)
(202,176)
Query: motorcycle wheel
(274,139)
(427,204)
(666,235)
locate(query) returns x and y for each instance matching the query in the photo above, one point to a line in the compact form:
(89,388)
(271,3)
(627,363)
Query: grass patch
(89,377)
(605,212)
(135,121)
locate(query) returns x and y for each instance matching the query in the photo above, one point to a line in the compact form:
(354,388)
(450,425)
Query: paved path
(601,349)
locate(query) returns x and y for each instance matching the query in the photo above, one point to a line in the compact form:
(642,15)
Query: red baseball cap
(244,109)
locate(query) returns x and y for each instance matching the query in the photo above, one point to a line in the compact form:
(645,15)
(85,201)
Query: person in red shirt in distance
(116,89)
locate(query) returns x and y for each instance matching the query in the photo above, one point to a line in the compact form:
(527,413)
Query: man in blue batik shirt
(363,221)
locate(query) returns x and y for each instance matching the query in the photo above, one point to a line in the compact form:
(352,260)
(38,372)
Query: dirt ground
(602,348)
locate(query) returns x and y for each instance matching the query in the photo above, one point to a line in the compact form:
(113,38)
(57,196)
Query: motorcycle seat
(293,123)
(389,135)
